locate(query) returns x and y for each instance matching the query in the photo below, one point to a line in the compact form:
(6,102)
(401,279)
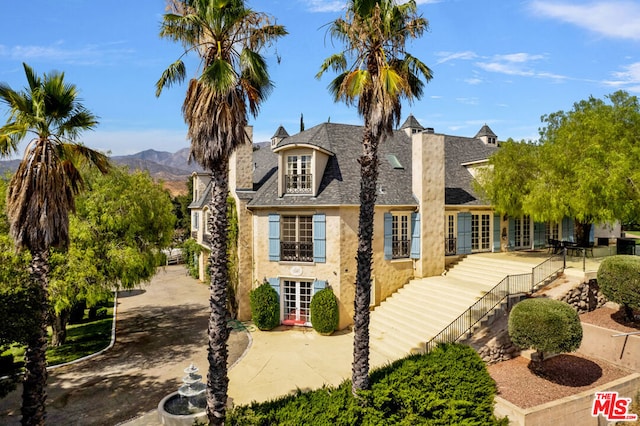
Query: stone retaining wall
(586,297)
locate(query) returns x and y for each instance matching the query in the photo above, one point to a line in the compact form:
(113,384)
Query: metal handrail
(510,285)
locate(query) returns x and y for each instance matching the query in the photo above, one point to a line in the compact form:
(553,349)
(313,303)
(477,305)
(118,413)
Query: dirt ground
(160,330)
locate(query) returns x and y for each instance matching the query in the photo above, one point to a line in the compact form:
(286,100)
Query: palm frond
(32,79)
(254,68)
(175,73)
(337,62)
(220,76)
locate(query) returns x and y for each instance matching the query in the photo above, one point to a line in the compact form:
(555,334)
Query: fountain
(187,404)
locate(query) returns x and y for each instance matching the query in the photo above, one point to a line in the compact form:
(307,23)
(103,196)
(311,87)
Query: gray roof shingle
(340,183)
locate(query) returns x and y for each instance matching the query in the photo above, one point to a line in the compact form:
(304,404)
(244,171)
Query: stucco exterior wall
(339,270)
(428,182)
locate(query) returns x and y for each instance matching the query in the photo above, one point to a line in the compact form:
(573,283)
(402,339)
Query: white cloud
(468,101)
(324,6)
(518,64)
(452,56)
(610,18)
(91,54)
(473,81)
(628,79)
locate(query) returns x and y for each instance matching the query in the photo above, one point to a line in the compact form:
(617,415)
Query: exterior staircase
(417,312)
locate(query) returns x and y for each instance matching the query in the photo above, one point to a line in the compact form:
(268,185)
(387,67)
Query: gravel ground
(564,375)
(160,330)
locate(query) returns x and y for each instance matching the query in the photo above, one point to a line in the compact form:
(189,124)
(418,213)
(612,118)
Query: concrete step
(420,310)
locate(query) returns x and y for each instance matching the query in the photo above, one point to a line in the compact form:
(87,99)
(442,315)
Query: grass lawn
(85,338)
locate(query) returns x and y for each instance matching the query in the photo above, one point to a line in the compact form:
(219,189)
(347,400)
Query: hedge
(619,281)
(448,386)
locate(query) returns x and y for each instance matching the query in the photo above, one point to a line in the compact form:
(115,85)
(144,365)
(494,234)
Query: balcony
(293,251)
(298,183)
(400,249)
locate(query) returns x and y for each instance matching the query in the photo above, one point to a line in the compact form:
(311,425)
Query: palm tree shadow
(569,370)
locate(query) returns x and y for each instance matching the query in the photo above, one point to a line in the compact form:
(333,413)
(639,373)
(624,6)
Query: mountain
(173,169)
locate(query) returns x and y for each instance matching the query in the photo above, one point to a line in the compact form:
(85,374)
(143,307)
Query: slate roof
(280,133)
(411,123)
(204,199)
(458,181)
(265,164)
(485,131)
(340,184)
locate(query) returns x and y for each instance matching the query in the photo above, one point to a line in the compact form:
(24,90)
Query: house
(297,201)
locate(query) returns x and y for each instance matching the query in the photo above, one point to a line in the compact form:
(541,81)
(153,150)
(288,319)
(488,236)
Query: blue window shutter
(464,233)
(512,233)
(319,238)
(388,236)
(274,237)
(496,233)
(415,235)
(318,285)
(275,283)
(592,233)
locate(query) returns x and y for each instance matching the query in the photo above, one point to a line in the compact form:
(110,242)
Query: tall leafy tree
(232,82)
(584,167)
(120,225)
(40,197)
(375,74)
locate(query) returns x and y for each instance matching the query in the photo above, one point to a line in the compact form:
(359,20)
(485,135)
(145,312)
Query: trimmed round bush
(545,325)
(619,281)
(324,311)
(265,307)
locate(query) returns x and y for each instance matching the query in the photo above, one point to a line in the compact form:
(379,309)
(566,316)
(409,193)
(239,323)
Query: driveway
(160,330)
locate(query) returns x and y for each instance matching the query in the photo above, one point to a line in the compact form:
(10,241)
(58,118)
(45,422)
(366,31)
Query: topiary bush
(545,325)
(324,311)
(265,307)
(619,281)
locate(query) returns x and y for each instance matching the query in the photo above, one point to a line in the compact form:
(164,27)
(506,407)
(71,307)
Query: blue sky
(504,63)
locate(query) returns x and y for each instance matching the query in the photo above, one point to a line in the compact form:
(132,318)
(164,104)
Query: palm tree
(40,197)
(228,38)
(381,74)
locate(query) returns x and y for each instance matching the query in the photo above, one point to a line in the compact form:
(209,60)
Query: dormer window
(298,174)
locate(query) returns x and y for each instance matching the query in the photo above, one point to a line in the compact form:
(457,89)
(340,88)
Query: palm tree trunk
(217,379)
(34,392)
(59,327)
(369,178)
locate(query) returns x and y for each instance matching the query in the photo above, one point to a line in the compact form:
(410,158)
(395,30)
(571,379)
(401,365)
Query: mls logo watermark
(612,407)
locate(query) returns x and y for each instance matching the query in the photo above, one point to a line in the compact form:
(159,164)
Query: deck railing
(511,285)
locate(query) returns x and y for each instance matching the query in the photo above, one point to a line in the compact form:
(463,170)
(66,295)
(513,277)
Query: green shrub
(619,281)
(190,252)
(448,386)
(265,307)
(101,313)
(324,311)
(545,325)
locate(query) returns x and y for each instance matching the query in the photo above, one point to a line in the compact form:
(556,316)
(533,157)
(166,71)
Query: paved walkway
(160,330)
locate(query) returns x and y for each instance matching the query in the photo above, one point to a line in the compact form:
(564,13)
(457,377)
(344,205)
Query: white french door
(297,301)
(481,232)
